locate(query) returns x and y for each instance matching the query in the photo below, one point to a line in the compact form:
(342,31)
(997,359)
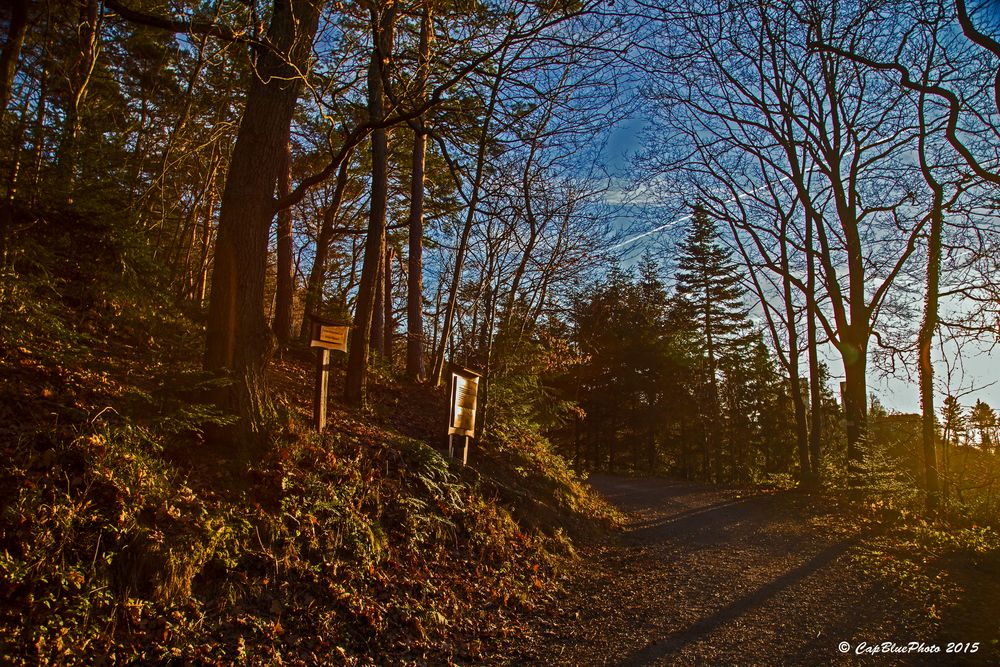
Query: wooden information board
(462,413)
(329,336)
(464,387)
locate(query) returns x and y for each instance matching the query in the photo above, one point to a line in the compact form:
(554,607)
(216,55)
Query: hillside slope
(128,534)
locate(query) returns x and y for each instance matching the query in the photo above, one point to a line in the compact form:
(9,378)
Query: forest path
(712,576)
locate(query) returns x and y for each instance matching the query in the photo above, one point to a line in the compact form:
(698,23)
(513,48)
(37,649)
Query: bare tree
(543,106)
(956,96)
(285,288)
(757,106)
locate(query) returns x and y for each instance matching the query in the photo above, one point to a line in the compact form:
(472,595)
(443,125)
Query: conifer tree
(708,282)
(984,420)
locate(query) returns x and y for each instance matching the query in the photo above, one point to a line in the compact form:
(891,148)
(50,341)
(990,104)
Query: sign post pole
(322,382)
(325,336)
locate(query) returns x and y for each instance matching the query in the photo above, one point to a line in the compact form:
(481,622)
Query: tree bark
(794,377)
(88,33)
(201,286)
(378,313)
(415,369)
(238,338)
(437,373)
(388,328)
(11,51)
(812,344)
(854,351)
(928,423)
(382,20)
(285,288)
(317,275)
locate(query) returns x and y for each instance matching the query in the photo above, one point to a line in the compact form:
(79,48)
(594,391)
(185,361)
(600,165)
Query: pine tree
(632,386)
(758,425)
(954,421)
(984,420)
(708,282)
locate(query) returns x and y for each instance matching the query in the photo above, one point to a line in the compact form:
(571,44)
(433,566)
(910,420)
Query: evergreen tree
(954,421)
(708,283)
(757,413)
(633,386)
(984,420)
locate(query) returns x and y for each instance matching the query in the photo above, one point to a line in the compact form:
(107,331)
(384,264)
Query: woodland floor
(711,576)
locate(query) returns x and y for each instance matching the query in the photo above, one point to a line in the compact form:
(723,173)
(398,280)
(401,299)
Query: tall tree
(769,116)
(238,338)
(415,369)
(984,420)
(17,28)
(285,287)
(382,20)
(324,238)
(782,324)
(960,94)
(631,385)
(79,80)
(708,281)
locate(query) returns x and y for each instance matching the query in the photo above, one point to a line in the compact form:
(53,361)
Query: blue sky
(970,375)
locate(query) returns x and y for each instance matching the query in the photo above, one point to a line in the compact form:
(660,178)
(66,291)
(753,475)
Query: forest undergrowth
(129,533)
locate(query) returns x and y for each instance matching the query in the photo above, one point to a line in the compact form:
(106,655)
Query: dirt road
(703,576)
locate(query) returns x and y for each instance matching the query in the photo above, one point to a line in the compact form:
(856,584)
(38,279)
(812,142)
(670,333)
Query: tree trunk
(854,351)
(415,369)
(928,424)
(529,245)
(801,423)
(387,323)
(812,345)
(382,20)
(714,414)
(11,52)
(237,334)
(926,368)
(853,326)
(38,134)
(470,216)
(201,285)
(794,378)
(89,40)
(317,275)
(378,313)
(285,288)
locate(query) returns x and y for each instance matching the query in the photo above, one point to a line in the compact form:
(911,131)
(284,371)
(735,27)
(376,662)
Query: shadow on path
(687,522)
(677,641)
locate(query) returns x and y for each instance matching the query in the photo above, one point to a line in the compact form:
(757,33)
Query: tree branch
(193,26)
(954,105)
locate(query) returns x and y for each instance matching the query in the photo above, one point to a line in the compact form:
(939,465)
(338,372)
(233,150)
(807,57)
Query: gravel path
(709,576)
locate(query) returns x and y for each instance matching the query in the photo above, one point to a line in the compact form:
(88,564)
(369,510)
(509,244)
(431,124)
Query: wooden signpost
(462,413)
(325,336)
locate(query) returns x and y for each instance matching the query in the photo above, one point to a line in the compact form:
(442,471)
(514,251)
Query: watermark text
(864,648)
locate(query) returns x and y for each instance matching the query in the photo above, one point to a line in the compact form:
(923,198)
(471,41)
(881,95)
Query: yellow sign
(464,387)
(330,337)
